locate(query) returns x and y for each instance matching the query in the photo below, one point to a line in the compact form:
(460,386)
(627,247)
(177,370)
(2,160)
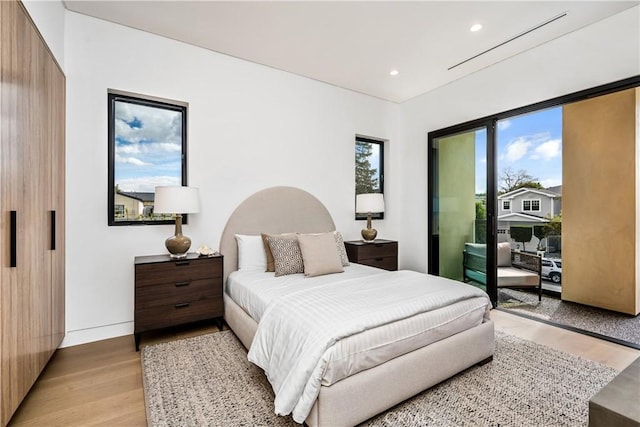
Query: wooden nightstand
(171,292)
(379,253)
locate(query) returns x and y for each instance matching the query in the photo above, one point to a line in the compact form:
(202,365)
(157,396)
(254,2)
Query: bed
(352,392)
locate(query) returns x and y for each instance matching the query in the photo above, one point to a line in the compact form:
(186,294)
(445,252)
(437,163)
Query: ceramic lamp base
(369,234)
(178,245)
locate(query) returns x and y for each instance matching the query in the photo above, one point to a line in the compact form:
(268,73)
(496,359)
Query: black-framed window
(369,170)
(147,140)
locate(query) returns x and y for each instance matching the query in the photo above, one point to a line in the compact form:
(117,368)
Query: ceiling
(355,44)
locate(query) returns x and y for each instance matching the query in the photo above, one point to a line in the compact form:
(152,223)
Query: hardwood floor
(101,384)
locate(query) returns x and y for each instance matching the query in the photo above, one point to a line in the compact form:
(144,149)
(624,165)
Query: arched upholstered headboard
(273,210)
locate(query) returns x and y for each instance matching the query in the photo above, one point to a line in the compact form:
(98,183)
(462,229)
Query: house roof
(557,189)
(130,196)
(539,191)
(522,217)
(143,197)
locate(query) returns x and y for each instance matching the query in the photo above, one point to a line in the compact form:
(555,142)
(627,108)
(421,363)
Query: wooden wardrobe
(32,123)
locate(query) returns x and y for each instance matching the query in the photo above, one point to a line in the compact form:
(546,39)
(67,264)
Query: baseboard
(84,336)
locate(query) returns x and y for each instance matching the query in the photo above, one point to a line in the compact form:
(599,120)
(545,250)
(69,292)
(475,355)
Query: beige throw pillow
(504,254)
(320,254)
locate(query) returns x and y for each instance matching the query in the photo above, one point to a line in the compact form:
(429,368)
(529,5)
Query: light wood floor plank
(607,353)
(100,384)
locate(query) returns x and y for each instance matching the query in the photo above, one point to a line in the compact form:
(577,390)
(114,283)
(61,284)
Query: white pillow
(251,255)
(504,254)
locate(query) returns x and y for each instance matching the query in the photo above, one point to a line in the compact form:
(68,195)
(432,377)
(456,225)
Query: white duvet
(297,330)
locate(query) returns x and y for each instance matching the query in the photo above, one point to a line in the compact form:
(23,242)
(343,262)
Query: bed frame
(370,392)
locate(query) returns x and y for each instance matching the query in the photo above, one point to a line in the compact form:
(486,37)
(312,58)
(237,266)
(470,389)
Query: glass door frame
(489,122)
(433,261)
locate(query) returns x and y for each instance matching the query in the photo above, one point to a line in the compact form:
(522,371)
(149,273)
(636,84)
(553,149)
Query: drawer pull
(13,238)
(181,263)
(379,259)
(182,284)
(52,216)
(182,305)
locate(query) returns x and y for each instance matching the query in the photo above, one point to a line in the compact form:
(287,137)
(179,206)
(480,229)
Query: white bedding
(367,328)
(253,290)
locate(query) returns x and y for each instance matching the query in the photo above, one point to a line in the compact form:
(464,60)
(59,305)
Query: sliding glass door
(462,206)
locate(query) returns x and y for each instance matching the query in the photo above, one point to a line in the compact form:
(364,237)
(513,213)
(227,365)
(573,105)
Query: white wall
(250,127)
(601,53)
(49,18)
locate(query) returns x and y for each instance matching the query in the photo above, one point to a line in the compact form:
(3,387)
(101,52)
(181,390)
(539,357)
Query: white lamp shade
(176,200)
(372,202)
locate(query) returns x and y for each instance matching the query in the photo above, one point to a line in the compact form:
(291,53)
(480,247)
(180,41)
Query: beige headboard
(273,210)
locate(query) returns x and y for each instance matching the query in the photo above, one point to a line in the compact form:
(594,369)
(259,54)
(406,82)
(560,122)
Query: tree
(481,211)
(511,180)
(481,223)
(521,235)
(554,226)
(366,182)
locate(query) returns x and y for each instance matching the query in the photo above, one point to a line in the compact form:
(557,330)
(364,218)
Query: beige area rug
(207,381)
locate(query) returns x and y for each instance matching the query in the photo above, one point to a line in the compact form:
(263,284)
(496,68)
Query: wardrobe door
(12,295)
(56,198)
(16,307)
(36,334)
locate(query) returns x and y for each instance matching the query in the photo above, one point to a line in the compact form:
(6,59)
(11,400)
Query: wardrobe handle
(13,251)
(53,230)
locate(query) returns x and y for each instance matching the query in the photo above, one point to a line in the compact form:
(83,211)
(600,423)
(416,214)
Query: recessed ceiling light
(394,72)
(475,27)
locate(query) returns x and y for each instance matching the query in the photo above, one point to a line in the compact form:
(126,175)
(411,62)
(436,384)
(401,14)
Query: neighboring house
(146,198)
(127,207)
(527,207)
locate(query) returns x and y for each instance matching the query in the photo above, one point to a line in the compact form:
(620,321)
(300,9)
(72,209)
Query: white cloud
(517,149)
(149,148)
(131,160)
(147,184)
(548,150)
(152,124)
(504,124)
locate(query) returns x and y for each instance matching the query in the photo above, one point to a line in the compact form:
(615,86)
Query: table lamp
(368,203)
(177,200)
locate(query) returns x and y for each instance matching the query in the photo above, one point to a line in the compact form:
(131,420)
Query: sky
(532,142)
(148,147)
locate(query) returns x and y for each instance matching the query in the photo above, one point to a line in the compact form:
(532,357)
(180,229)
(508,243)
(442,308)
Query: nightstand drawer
(381,253)
(178,271)
(174,314)
(386,263)
(177,292)
(377,250)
